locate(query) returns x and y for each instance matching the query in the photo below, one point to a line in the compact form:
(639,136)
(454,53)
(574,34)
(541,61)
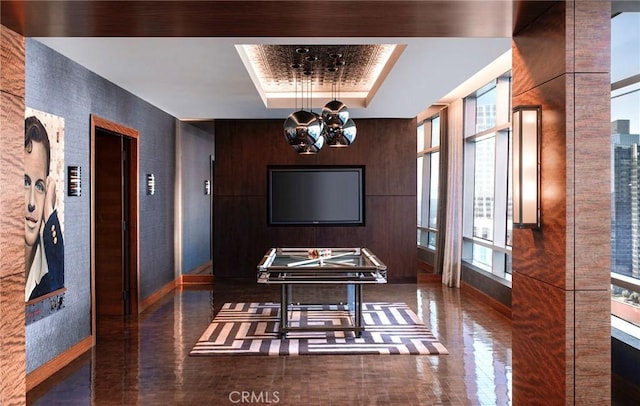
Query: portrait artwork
(44,204)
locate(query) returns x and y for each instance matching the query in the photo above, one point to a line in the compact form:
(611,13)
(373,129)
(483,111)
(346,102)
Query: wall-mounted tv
(315,195)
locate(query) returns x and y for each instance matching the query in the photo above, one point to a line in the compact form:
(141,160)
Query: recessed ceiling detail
(352,73)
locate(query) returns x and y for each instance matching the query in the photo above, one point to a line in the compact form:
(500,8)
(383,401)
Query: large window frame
(487,131)
(625,172)
(428,146)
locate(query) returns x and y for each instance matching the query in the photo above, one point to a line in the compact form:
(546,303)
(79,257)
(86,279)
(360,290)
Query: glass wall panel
(625,169)
(625,303)
(487,213)
(433,193)
(483,196)
(432,240)
(428,135)
(435,132)
(486,108)
(423,238)
(478,255)
(419,191)
(509,237)
(625,46)
(420,137)
(625,143)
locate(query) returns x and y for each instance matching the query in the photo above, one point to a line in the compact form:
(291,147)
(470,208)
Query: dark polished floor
(146,362)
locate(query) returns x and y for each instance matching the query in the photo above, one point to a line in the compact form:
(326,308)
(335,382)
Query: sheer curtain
(451,242)
(442,192)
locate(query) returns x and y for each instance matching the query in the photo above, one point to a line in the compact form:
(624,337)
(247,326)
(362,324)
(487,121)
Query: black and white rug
(252,329)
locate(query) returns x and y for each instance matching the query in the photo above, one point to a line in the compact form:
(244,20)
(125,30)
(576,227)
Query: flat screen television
(315,195)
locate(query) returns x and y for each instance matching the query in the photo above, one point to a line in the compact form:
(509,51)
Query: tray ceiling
(284,74)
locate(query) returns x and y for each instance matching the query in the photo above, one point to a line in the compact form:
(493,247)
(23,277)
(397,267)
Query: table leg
(284,311)
(359,309)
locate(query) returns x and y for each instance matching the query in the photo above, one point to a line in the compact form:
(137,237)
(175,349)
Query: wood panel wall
(261,18)
(561,273)
(12,265)
(244,149)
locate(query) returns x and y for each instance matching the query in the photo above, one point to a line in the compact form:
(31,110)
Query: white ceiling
(204,78)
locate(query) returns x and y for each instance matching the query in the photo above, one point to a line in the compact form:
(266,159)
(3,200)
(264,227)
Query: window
(483,193)
(428,134)
(625,154)
(487,196)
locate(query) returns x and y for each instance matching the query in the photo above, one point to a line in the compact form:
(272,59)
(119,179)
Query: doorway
(114,220)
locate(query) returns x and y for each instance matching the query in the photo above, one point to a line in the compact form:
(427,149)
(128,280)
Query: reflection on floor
(146,362)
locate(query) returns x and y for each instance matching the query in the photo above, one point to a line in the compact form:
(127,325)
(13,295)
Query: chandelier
(306,131)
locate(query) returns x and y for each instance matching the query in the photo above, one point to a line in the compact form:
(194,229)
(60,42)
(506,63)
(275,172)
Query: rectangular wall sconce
(151,184)
(527,128)
(207,187)
(74,181)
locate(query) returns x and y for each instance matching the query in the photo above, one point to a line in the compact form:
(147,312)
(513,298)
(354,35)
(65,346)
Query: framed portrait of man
(44,204)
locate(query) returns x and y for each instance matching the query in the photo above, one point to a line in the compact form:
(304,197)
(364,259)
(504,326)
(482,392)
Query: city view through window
(487,225)
(625,170)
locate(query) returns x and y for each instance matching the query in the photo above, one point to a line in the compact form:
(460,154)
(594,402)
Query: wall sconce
(207,187)
(74,181)
(526,125)
(151,184)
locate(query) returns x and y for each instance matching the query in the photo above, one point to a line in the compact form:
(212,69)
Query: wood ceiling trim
(359,18)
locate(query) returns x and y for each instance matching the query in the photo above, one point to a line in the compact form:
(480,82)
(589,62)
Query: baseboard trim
(158,294)
(428,268)
(188,279)
(491,302)
(39,375)
(198,269)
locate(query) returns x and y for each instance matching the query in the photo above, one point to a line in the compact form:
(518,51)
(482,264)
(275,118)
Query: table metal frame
(338,268)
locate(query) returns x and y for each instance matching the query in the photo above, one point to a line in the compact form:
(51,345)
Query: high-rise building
(625,228)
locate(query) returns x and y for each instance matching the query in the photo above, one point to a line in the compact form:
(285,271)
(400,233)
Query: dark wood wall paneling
(244,149)
(202,18)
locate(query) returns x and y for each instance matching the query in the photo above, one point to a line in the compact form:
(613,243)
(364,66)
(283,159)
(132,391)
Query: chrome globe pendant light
(304,129)
(340,129)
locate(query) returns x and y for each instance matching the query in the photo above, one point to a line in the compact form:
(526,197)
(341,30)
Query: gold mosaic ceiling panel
(350,72)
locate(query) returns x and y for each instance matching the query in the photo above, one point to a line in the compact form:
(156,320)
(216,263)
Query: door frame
(134,206)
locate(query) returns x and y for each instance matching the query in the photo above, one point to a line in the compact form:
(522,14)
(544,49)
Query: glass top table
(353,267)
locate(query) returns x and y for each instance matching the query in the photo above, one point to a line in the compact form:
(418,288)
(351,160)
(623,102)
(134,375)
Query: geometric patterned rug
(252,329)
